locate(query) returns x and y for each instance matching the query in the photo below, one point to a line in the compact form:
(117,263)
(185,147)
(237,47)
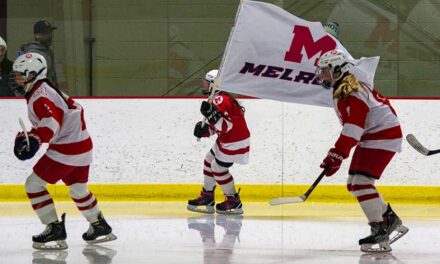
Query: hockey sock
(40,199)
(370,200)
(85,201)
(208,178)
(223,178)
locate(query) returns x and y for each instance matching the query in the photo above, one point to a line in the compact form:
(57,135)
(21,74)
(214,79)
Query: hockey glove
(332,162)
(210,112)
(21,150)
(201,130)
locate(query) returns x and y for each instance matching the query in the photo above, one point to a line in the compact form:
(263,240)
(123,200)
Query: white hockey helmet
(32,67)
(208,82)
(335,63)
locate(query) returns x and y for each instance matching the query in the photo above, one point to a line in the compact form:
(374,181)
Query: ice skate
(53,237)
(395,228)
(203,204)
(99,232)
(232,205)
(378,241)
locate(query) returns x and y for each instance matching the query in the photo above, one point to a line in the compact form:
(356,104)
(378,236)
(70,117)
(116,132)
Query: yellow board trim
(250,192)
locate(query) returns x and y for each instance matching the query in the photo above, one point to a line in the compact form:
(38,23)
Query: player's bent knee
(359,179)
(78,190)
(209,157)
(34,183)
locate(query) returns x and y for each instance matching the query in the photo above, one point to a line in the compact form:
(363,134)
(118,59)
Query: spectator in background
(5,69)
(332,28)
(43,33)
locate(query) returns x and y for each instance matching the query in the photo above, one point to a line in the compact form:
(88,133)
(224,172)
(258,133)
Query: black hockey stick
(412,140)
(299,199)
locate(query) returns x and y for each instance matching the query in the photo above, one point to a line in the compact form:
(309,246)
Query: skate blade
(203,210)
(400,231)
(238,211)
(376,248)
(102,239)
(52,245)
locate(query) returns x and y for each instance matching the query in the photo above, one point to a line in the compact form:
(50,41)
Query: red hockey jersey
(233,142)
(59,121)
(368,120)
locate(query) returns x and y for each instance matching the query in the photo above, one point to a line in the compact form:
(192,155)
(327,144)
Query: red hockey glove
(21,149)
(332,162)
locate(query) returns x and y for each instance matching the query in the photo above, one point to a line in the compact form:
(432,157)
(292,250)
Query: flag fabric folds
(273,54)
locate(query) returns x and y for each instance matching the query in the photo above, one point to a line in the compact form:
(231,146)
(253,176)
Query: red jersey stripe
(344,144)
(45,134)
(73,148)
(45,108)
(390,133)
(233,152)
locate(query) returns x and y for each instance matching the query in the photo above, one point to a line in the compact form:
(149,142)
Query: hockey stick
(23,127)
(211,96)
(299,199)
(412,140)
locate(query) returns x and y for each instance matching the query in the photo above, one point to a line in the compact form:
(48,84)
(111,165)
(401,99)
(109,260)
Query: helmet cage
(335,62)
(32,67)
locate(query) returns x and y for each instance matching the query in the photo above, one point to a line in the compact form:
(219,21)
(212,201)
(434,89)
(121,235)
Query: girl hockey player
(371,124)
(59,121)
(225,117)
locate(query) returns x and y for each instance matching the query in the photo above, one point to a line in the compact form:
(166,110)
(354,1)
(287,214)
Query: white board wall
(150,141)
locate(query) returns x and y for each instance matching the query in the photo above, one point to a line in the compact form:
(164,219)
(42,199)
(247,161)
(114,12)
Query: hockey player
(370,124)
(58,121)
(225,117)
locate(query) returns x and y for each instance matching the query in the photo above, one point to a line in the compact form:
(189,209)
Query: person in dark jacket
(43,32)
(5,69)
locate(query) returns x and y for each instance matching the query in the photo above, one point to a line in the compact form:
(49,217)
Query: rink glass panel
(160,48)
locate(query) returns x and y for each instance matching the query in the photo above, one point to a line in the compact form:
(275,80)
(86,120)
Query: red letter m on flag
(302,38)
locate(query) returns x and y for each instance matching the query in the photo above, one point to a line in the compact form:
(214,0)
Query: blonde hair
(348,85)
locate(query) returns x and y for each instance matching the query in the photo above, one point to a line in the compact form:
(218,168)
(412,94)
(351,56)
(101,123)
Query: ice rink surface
(167,233)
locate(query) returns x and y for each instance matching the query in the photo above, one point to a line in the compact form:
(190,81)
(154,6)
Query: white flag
(272,54)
